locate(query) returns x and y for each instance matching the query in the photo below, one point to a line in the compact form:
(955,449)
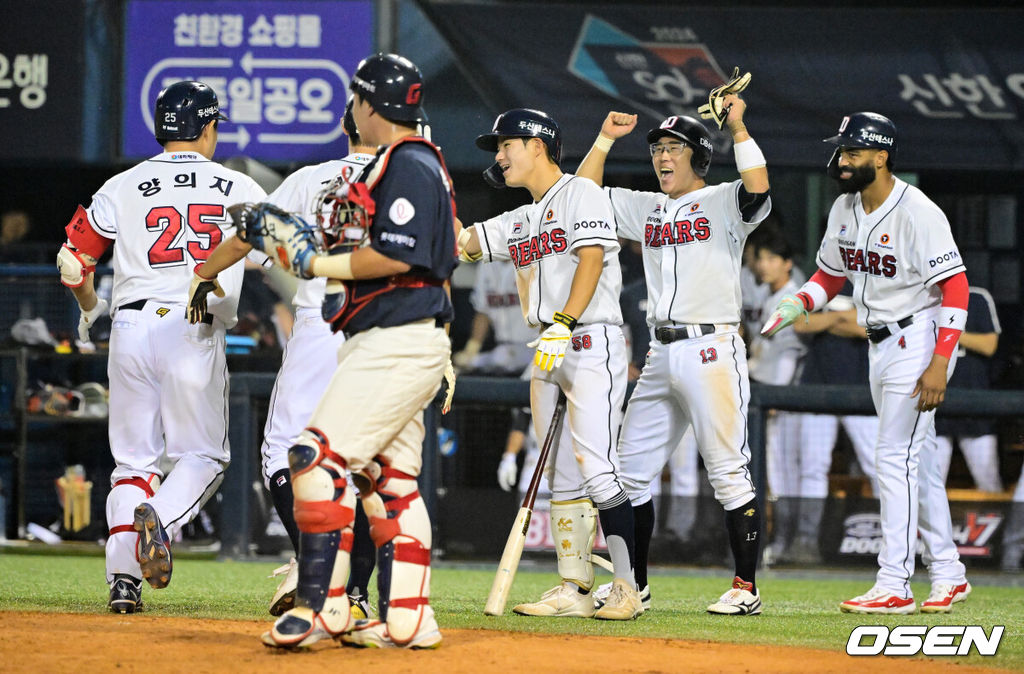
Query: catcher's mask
(345,213)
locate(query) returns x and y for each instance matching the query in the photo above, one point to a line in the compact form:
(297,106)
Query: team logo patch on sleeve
(401,211)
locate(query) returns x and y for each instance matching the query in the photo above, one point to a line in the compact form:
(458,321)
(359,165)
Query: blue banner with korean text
(281,71)
(951,79)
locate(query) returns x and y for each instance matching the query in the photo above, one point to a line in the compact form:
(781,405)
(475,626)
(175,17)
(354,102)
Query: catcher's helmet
(524,123)
(393,86)
(183,109)
(691,132)
(863,129)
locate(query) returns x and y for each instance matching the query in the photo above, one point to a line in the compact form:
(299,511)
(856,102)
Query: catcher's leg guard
(574,529)
(324,512)
(400,528)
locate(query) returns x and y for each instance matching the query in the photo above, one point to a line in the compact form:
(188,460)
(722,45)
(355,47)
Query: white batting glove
(553,342)
(88,318)
(507,472)
(786,312)
(449,378)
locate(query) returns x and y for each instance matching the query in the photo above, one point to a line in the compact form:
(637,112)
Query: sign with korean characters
(41,81)
(281,71)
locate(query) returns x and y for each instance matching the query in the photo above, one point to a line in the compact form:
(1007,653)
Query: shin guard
(574,529)
(324,512)
(400,528)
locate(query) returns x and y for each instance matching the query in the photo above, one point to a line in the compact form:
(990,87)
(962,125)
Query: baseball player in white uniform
(911,292)
(776,361)
(565,251)
(696,373)
(309,360)
(168,378)
(496,301)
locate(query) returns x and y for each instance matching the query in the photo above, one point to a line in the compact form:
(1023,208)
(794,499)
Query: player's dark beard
(861,178)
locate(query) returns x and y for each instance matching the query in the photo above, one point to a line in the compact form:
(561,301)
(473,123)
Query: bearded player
(910,289)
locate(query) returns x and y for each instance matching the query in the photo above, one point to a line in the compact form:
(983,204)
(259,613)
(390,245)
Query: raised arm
(615,126)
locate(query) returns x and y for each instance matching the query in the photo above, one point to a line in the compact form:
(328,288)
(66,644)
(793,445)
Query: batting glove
(507,472)
(786,312)
(89,318)
(197,292)
(553,342)
(449,379)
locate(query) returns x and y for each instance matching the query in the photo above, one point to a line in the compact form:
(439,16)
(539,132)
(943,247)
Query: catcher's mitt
(715,109)
(283,236)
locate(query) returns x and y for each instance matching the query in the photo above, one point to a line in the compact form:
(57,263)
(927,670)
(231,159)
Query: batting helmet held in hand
(691,132)
(392,85)
(524,123)
(863,129)
(183,109)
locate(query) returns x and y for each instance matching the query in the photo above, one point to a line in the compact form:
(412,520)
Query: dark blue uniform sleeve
(979,316)
(410,203)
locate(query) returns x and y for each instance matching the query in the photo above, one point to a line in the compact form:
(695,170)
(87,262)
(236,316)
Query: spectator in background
(835,355)
(496,301)
(752,290)
(976,437)
(14,227)
(776,361)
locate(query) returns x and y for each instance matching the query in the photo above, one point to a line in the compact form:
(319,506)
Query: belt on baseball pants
(884,332)
(139,305)
(669,334)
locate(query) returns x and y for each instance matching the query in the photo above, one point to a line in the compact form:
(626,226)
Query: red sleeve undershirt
(955,294)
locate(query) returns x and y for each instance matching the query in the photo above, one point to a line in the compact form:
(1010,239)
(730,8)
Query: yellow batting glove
(553,342)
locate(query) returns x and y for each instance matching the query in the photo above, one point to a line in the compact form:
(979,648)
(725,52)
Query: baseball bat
(517,537)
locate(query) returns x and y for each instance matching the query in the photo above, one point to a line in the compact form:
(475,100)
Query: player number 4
(169,248)
(708,355)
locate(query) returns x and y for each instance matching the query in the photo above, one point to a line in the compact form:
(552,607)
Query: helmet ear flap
(493,176)
(833,166)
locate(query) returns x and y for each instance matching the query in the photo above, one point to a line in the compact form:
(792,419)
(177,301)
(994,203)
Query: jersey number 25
(167,250)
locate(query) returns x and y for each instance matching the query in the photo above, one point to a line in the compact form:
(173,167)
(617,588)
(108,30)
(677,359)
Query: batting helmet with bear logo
(520,123)
(691,132)
(183,109)
(392,85)
(865,130)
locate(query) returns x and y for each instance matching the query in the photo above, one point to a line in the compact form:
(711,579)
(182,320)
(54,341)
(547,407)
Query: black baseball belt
(882,333)
(139,305)
(669,334)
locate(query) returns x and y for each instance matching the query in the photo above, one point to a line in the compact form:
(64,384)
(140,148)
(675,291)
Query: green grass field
(799,610)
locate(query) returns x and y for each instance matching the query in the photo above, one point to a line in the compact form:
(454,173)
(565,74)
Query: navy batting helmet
(863,129)
(392,85)
(691,132)
(183,109)
(349,123)
(524,123)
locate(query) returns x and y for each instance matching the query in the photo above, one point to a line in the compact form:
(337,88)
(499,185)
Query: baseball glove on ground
(283,236)
(715,109)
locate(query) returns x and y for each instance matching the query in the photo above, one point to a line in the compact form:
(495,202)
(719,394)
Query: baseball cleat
(564,601)
(943,596)
(125,594)
(374,634)
(601,595)
(360,607)
(284,597)
(153,548)
(739,600)
(623,603)
(879,601)
(301,627)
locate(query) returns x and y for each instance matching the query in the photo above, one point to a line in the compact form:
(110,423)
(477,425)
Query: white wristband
(819,298)
(603,142)
(951,317)
(748,155)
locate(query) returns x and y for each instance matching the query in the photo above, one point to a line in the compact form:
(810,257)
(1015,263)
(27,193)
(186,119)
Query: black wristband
(565,319)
